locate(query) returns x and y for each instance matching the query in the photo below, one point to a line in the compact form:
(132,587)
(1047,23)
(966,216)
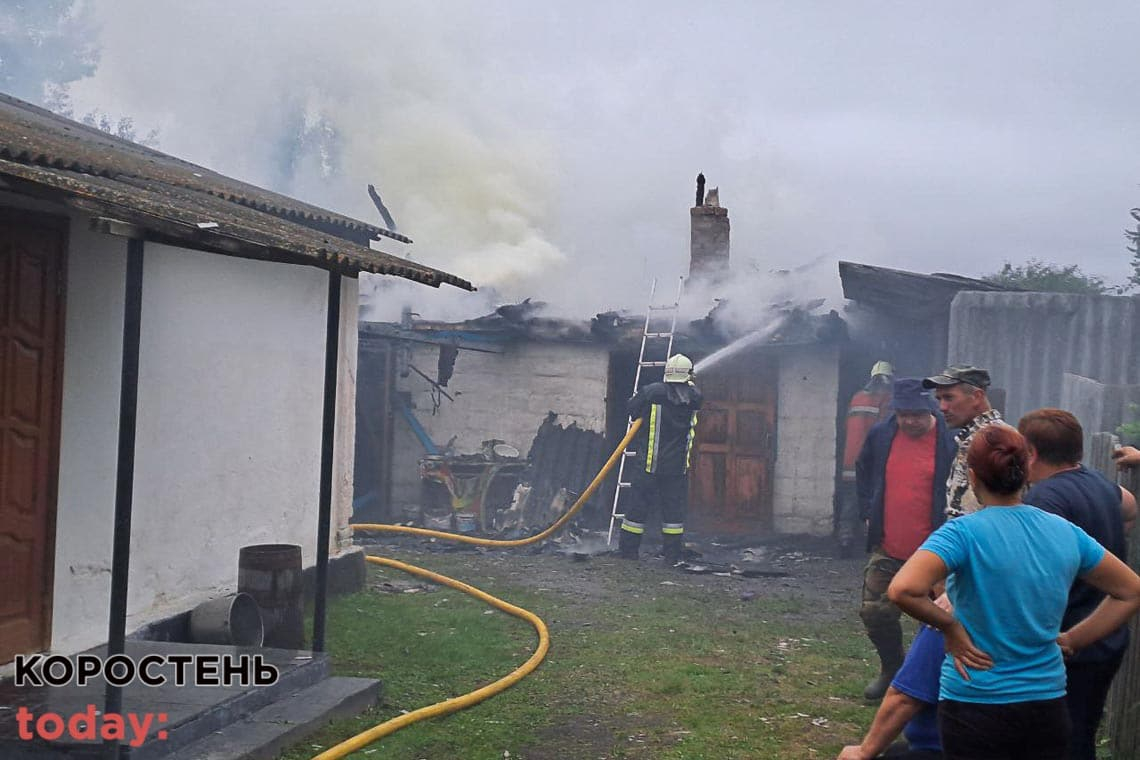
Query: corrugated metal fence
(1124,699)
(1029,340)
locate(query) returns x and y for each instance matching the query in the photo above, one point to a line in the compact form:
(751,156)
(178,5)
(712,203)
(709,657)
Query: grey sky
(551,148)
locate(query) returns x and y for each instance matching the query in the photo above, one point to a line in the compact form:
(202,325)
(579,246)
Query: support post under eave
(328,429)
(125,477)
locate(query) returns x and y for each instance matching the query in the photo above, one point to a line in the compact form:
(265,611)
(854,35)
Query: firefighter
(663,446)
(869,405)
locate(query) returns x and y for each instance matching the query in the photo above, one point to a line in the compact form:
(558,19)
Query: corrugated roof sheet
(920,296)
(107,176)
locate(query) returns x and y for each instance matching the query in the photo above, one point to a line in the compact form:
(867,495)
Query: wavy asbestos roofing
(46,154)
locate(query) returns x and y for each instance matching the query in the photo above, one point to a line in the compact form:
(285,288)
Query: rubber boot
(888,643)
(672,546)
(628,544)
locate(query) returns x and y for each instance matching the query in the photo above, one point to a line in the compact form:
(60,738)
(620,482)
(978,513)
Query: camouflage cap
(959,373)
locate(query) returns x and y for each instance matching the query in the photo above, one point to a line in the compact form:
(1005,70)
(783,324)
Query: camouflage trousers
(879,614)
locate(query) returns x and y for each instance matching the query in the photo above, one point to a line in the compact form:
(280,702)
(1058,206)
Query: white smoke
(549,149)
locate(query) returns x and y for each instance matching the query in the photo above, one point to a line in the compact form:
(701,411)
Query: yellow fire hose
(454,704)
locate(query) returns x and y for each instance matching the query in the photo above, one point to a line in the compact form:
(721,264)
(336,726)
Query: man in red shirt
(901,486)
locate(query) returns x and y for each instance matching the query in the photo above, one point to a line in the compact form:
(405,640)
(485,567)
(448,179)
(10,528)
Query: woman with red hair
(1008,569)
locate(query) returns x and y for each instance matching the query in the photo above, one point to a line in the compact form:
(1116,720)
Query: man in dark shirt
(1100,507)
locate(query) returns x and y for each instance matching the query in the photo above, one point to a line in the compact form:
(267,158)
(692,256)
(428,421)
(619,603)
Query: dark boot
(672,546)
(888,643)
(628,544)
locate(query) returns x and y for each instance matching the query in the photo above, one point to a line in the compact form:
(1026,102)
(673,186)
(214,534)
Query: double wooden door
(730,486)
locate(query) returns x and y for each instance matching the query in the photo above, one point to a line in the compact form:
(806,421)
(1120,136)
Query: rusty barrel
(271,574)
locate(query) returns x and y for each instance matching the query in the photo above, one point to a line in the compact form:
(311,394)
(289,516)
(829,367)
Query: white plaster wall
(504,396)
(229,425)
(805,450)
(89,425)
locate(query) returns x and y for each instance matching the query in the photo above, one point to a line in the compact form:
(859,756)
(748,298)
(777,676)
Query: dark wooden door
(31,269)
(730,488)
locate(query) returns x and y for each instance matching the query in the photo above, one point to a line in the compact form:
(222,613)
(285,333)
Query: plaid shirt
(960,500)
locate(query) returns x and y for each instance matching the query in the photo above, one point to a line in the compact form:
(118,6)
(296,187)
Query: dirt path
(791,567)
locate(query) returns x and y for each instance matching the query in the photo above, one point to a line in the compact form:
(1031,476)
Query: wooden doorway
(730,488)
(31,350)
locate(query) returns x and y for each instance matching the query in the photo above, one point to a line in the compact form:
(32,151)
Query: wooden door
(730,488)
(31,269)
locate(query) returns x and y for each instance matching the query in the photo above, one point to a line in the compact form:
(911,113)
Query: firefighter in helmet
(663,446)
(869,405)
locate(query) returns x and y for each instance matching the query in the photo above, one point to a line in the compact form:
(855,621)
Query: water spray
(738,345)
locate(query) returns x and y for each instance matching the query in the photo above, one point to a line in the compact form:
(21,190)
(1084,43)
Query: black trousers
(1015,731)
(900,751)
(1088,684)
(669,492)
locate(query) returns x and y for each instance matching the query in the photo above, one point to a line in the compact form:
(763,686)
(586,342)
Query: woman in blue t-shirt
(1008,569)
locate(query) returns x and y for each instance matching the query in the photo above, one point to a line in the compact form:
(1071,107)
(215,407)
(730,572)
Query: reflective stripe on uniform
(654,438)
(872,410)
(848,474)
(672,529)
(692,437)
(632,527)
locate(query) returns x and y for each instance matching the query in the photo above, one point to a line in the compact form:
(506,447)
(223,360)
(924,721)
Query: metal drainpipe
(324,503)
(124,486)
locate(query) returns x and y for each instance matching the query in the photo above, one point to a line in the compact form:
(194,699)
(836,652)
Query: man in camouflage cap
(961,393)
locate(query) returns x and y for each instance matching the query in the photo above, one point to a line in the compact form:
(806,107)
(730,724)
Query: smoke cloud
(551,151)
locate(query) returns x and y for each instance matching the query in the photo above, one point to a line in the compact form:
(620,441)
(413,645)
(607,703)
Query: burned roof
(786,323)
(910,294)
(127,185)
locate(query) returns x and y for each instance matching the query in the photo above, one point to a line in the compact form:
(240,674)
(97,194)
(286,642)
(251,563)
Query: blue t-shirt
(1010,573)
(918,678)
(1086,498)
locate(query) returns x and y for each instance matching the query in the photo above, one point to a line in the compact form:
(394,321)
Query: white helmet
(679,369)
(882,368)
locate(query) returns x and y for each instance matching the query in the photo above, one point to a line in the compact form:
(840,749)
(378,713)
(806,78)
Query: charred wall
(504,396)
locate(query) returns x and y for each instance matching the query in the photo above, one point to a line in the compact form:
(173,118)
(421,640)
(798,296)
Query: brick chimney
(708,246)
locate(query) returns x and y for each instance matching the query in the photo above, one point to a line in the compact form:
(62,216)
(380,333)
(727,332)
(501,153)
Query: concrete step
(267,732)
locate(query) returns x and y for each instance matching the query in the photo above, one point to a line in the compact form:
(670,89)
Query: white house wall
(89,424)
(229,425)
(504,396)
(805,456)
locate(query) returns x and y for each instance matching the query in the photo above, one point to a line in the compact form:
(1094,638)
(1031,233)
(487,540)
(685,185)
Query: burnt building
(770,409)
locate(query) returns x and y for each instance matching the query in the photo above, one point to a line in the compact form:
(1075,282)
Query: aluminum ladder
(653,314)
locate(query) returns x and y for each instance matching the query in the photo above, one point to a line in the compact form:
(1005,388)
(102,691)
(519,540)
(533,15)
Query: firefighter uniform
(660,469)
(868,406)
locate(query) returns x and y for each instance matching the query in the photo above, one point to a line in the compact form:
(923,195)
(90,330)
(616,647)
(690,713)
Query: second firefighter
(660,468)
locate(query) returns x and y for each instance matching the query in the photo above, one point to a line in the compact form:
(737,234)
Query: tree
(43,44)
(1051,278)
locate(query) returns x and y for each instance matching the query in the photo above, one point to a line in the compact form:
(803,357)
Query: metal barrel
(231,620)
(271,574)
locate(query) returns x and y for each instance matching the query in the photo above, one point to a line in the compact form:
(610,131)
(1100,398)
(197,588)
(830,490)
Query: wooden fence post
(1124,698)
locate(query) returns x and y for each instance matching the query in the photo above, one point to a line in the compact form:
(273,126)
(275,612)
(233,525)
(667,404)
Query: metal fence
(1124,698)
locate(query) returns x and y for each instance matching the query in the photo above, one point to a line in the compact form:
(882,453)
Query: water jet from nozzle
(738,345)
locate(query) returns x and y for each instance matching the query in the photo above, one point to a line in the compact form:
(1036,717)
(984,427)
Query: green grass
(637,669)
